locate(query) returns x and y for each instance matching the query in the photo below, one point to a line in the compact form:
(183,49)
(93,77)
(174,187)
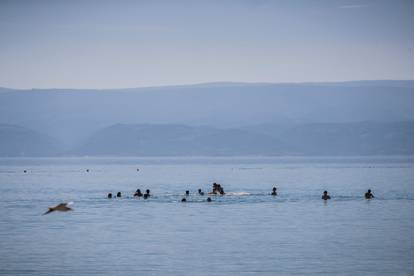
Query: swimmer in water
(138,193)
(221,190)
(200,192)
(187,193)
(325,195)
(209,199)
(183,200)
(118,194)
(109,195)
(274,193)
(368,194)
(147,192)
(217,189)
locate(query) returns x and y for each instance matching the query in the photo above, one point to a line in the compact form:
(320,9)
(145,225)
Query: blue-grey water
(246,232)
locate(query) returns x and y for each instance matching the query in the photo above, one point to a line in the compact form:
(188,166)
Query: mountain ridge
(71,116)
(316,139)
(386,82)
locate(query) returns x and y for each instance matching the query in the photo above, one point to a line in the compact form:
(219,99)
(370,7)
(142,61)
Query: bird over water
(62,207)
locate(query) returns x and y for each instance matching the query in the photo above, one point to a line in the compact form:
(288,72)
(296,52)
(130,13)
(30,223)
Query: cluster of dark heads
(367,195)
(137,193)
(326,196)
(218,190)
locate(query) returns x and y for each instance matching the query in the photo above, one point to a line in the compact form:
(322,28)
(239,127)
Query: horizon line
(212,83)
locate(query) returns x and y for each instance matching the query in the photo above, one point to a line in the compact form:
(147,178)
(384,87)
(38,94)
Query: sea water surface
(245,232)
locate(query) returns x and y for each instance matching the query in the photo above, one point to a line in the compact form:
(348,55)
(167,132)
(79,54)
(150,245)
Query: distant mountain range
(20,141)
(264,140)
(170,140)
(343,118)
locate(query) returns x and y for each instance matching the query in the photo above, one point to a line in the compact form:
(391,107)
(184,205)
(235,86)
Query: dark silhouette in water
(138,193)
(187,193)
(109,195)
(209,199)
(119,194)
(87,170)
(368,194)
(200,192)
(221,191)
(274,193)
(147,193)
(25,171)
(213,192)
(325,195)
(62,207)
(217,189)
(183,200)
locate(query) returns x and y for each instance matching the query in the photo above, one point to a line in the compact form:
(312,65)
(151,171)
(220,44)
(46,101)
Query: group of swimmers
(368,195)
(325,196)
(218,190)
(200,192)
(139,194)
(136,194)
(117,195)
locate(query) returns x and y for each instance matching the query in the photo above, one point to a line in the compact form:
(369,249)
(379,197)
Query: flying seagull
(62,207)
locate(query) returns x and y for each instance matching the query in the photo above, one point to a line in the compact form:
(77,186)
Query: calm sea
(245,232)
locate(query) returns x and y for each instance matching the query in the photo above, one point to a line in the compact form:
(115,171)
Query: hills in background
(349,118)
(20,141)
(263,140)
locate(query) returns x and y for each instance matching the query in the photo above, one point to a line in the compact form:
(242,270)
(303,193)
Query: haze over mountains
(347,118)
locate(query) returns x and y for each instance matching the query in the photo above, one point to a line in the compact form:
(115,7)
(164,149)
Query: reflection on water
(246,232)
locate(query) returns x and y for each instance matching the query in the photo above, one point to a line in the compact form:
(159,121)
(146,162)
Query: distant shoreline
(200,160)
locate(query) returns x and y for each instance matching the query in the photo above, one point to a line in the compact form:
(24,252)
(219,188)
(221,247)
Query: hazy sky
(111,44)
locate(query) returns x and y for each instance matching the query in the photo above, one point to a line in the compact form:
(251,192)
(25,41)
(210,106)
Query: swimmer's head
(118,194)
(110,195)
(208,199)
(325,192)
(369,190)
(183,200)
(147,191)
(187,192)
